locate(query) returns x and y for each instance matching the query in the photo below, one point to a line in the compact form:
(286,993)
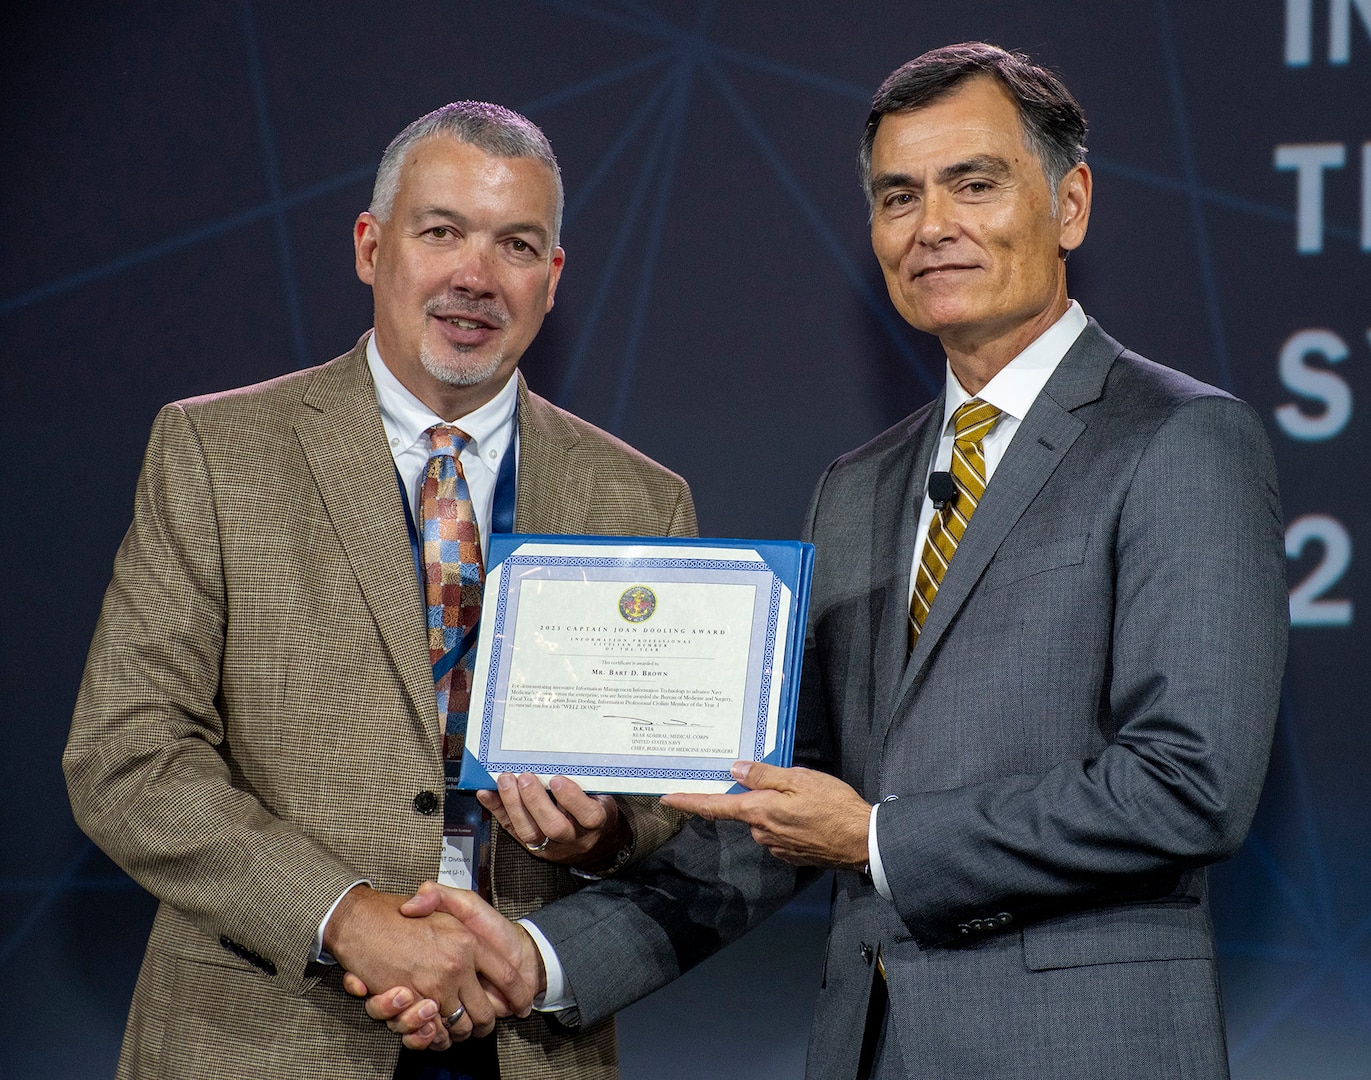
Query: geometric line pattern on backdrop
(1204,249)
(361,175)
(1335,958)
(1335,953)
(290,278)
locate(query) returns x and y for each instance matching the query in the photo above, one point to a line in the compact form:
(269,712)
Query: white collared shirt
(1013,390)
(492,427)
(494,432)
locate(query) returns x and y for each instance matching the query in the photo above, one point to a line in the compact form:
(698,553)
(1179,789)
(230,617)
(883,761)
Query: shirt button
(426,802)
(395,443)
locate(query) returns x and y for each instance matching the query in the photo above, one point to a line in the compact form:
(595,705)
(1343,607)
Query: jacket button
(866,952)
(1004,918)
(963,929)
(426,802)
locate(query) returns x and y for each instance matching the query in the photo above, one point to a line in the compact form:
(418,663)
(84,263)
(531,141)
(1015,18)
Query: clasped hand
(802,816)
(498,971)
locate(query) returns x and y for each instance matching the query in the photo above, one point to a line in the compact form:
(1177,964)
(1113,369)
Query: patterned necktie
(454,577)
(971,423)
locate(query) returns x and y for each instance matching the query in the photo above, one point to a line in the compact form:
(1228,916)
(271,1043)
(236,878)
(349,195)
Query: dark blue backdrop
(180,185)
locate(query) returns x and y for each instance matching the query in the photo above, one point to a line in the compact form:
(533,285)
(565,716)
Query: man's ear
(1073,206)
(365,236)
(554,275)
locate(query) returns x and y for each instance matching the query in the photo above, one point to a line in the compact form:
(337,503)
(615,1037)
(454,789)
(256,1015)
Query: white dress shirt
(1013,390)
(494,432)
(492,428)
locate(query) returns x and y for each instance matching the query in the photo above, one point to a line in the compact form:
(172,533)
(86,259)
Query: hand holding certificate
(636,665)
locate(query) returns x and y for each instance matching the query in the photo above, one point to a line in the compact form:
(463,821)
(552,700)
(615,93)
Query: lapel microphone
(942,489)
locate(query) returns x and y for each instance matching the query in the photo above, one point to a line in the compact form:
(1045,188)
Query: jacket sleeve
(147,769)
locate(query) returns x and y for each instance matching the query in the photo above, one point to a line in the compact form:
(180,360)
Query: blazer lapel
(899,499)
(1041,442)
(552,493)
(343,440)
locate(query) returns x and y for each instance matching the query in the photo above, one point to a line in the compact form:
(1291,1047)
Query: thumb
(758,774)
(426,901)
(459,903)
(353,985)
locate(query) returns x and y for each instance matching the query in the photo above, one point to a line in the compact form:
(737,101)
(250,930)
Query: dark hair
(1053,123)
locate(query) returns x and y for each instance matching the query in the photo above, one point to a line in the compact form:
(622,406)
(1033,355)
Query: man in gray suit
(1039,702)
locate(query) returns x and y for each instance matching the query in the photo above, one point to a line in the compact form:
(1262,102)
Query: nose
(473,268)
(937,220)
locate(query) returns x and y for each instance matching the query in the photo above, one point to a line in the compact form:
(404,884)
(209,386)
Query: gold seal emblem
(637,604)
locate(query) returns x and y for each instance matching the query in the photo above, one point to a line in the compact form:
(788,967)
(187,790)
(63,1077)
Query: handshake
(443,965)
(438,967)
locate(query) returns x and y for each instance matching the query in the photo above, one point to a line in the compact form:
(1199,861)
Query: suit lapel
(344,442)
(899,492)
(899,498)
(549,467)
(1043,439)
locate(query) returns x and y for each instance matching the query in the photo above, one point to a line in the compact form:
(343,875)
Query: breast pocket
(1022,563)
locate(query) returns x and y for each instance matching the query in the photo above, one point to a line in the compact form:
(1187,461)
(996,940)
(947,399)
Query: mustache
(450,305)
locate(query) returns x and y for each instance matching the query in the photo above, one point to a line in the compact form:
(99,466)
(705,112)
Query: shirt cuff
(320,956)
(557,996)
(873,856)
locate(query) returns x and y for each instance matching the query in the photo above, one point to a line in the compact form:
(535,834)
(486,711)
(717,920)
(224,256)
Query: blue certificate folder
(636,665)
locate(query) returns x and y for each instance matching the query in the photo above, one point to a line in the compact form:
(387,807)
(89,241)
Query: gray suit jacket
(1083,726)
(257,717)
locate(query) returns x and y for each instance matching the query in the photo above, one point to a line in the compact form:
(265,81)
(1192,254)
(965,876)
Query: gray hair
(1053,121)
(492,128)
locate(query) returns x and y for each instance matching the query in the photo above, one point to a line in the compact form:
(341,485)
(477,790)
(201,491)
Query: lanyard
(466,825)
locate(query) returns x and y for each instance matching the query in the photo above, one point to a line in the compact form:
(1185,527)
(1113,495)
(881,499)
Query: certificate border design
(764,721)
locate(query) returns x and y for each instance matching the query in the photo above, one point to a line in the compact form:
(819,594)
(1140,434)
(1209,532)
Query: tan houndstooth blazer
(257,716)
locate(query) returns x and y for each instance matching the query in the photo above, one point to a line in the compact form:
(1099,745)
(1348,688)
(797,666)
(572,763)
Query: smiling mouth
(928,270)
(467,314)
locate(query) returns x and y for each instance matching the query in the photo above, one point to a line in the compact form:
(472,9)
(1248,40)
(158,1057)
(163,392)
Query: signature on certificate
(640,721)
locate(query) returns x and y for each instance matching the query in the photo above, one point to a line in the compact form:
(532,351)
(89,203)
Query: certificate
(636,665)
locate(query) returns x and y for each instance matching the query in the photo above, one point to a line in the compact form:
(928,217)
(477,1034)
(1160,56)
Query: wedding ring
(538,847)
(452,1017)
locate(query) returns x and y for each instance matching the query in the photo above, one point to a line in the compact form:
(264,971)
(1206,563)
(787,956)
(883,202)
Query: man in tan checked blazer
(256,739)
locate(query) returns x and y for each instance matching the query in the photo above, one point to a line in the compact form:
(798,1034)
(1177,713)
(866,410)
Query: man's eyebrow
(425,213)
(889,180)
(422,212)
(991,165)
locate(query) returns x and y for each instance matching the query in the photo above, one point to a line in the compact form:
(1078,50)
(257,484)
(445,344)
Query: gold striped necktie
(971,423)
